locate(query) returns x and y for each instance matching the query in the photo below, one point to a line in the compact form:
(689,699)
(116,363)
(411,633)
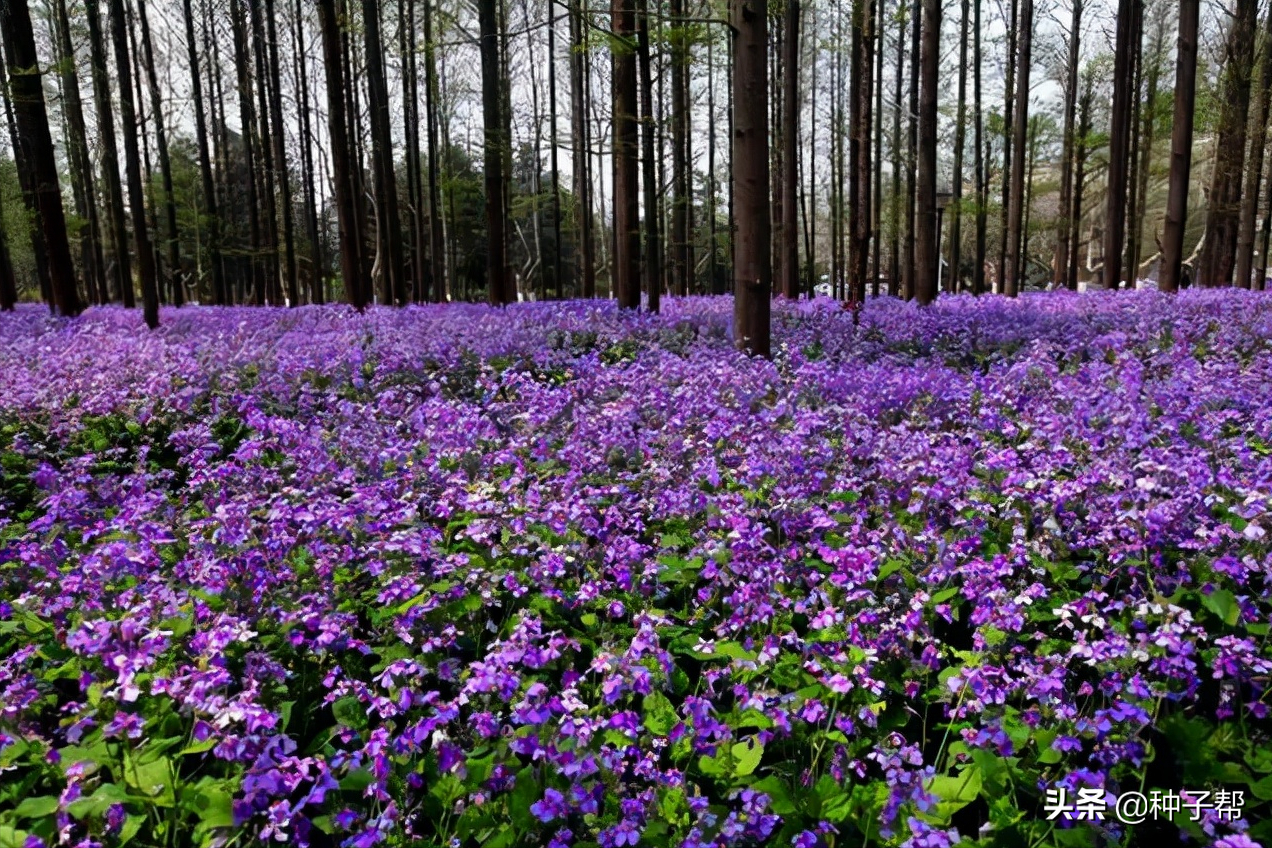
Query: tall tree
(895,268)
(910,251)
(279,138)
(753,268)
(165,164)
(35,147)
(626,267)
(1009,105)
(927,257)
(388,221)
(1254,172)
(120,263)
(790,156)
(81,162)
(981,165)
(960,143)
(220,295)
(1119,142)
(859,148)
(436,247)
(496,141)
(1218,254)
(341,156)
(648,121)
(146,270)
(1060,264)
(1020,130)
(1181,144)
(582,152)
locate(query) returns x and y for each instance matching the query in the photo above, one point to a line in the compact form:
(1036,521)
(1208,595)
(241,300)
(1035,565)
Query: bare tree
(753,268)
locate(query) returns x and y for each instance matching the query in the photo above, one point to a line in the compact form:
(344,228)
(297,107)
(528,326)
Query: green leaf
(36,808)
(747,756)
(350,712)
(660,716)
(1223,604)
(525,792)
(131,827)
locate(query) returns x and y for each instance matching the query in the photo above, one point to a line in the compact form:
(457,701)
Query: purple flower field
(558,575)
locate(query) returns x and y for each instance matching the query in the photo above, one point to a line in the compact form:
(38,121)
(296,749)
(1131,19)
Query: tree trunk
(982,159)
(35,149)
(653,236)
(582,154)
(317,263)
(495,141)
(165,164)
(859,150)
(960,142)
(1081,152)
(388,222)
(877,207)
(1254,171)
(81,163)
(1224,212)
(279,137)
(896,275)
(1009,106)
(341,159)
(1020,130)
(247,120)
(626,268)
(263,144)
(1148,133)
(911,188)
(136,192)
(219,294)
(557,282)
(790,157)
(1064,230)
(121,262)
(436,246)
(753,269)
(927,233)
(1119,143)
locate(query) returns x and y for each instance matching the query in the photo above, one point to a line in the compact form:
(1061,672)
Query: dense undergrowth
(556,575)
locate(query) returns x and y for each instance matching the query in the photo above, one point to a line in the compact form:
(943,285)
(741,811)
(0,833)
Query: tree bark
(653,236)
(1064,230)
(437,248)
(388,221)
(982,159)
(220,295)
(495,141)
(1119,143)
(136,192)
(960,142)
(81,162)
(1254,172)
(1081,153)
(165,163)
(121,261)
(1009,105)
(859,151)
(35,146)
(626,267)
(582,155)
(910,250)
(279,137)
(1020,131)
(927,234)
(1223,215)
(790,157)
(753,268)
(338,126)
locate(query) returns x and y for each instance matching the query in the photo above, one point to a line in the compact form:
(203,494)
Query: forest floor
(558,575)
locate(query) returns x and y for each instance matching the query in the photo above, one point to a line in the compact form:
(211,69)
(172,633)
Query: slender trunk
(1009,106)
(1119,143)
(81,163)
(247,120)
(626,269)
(582,155)
(753,269)
(927,230)
(1148,135)
(1081,152)
(1020,130)
(341,159)
(877,200)
(500,292)
(35,148)
(1063,231)
(912,268)
(136,192)
(859,152)
(120,263)
(165,163)
(262,143)
(895,274)
(1254,171)
(653,236)
(790,156)
(388,223)
(279,136)
(219,293)
(960,142)
(317,264)
(557,284)
(982,159)
(437,247)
